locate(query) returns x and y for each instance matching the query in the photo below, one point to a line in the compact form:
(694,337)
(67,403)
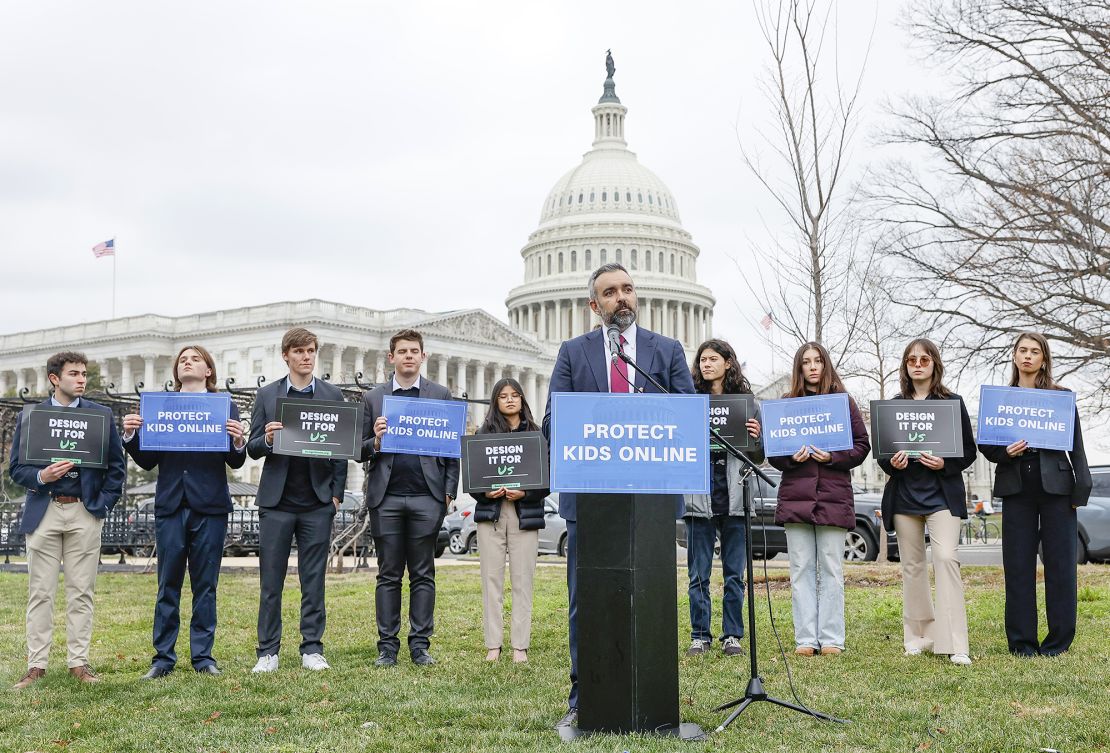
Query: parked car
(1094,519)
(461,510)
(553,536)
(769,538)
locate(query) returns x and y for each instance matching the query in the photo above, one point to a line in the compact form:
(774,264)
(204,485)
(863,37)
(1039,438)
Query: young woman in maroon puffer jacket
(816,507)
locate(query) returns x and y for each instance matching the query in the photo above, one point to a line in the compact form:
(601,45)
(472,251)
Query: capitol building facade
(607,209)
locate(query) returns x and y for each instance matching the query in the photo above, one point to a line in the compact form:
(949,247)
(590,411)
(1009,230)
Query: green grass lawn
(464,704)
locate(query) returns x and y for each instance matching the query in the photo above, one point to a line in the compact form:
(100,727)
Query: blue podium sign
(184,421)
(424,426)
(1043,418)
(821,421)
(640,444)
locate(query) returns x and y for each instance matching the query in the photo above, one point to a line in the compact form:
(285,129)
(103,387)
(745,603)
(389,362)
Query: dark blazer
(198,477)
(100,487)
(821,493)
(441,474)
(1058,475)
(951,476)
(581,367)
(328,476)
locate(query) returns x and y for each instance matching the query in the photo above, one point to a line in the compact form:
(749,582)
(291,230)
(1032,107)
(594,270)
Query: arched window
(660,268)
(682,266)
(589,265)
(605,196)
(549,263)
(591,197)
(573,260)
(672,264)
(604,256)
(560,261)
(628,196)
(633,259)
(580,198)
(651,199)
(640,198)
(620,260)
(647,261)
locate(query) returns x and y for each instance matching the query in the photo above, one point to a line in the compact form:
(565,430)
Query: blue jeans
(817,584)
(700,536)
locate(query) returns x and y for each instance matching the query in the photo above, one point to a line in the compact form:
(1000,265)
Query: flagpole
(113,280)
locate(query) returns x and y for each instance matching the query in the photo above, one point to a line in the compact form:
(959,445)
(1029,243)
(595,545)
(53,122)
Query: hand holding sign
(55,471)
(820,455)
(1016,448)
(930,461)
(132,422)
(237,431)
(271,427)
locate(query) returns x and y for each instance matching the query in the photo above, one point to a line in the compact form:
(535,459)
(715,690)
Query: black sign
(729,414)
(49,434)
(916,426)
(319,428)
(511,461)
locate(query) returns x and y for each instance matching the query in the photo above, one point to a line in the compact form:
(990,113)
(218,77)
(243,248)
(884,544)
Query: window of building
(647,261)
(639,198)
(619,255)
(605,196)
(588,254)
(549,263)
(256,366)
(231,368)
(628,196)
(660,267)
(560,261)
(633,259)
(604,257)
(580,196)
(591,197)
(672,264)
(573,261)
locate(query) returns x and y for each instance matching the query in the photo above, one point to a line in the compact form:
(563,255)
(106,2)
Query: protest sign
(184,421)
(517,460)
(329,429)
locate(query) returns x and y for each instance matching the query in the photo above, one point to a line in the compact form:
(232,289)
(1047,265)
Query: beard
(623,318)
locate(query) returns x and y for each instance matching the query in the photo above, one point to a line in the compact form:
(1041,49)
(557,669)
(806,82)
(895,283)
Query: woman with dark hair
(718,514)
(508,522)
(1041,490)
(816,507)
(928,490)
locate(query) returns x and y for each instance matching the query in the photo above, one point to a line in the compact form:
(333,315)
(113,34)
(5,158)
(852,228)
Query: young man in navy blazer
(584,365)
(191,505)
(63,515)
(408,496)
(297,497)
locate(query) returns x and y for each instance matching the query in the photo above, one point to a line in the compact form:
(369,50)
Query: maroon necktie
(618,373)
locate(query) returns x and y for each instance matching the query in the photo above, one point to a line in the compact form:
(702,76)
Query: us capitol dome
(610,208)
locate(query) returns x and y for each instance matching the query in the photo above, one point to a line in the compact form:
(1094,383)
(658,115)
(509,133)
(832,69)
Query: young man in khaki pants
(62,518)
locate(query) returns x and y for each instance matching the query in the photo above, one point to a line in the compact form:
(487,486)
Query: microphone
(614,334)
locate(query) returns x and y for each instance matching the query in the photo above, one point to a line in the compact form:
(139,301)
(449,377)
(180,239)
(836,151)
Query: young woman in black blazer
(929,490)
(1041,490)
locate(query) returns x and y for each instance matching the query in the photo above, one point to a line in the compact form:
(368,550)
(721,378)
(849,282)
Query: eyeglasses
(918,361)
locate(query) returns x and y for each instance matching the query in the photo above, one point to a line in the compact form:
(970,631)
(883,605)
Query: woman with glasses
(509,521)
(1041,490)
(929,490)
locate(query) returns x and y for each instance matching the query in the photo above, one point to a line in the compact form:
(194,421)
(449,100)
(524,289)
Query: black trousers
(1031,518)
(276,530)
(187,540)
(405,531)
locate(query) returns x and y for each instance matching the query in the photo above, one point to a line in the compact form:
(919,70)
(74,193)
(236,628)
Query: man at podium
(584,364)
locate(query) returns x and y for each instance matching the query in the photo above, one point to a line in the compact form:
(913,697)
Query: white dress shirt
(629,350)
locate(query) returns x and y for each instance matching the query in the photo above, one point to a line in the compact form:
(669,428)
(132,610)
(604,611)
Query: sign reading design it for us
(642,444)
(1043,418)
(820,421)
(916,426)
(422,426)
(184,421)
(517,460)
(50,434)
(329,429)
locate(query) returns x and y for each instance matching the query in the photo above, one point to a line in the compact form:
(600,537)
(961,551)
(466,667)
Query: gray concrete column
(125,384)
(336,369)
(42,384)
(148,373)
(441,369)
(20,380)
(460,376)
(480,391)
(530,393)
(380,365)
(360,363)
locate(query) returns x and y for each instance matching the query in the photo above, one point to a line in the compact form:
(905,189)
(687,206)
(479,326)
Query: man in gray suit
(297,497)
(407,496)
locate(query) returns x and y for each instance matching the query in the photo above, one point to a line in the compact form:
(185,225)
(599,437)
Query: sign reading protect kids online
(820,421)
(1043,418)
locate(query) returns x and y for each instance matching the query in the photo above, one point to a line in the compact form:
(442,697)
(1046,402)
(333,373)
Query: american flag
(107,248)
(766,321)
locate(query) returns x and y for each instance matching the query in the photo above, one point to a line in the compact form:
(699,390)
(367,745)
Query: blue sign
(820,421)
(184,421)
(1043,418)
(644,444)
(424,426)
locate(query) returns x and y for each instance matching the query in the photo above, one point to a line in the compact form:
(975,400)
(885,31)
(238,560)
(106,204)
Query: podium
(628,615)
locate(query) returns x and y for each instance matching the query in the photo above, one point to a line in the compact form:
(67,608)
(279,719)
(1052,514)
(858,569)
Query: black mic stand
(754,692)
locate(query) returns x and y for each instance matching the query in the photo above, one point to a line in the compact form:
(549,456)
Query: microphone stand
(754,691)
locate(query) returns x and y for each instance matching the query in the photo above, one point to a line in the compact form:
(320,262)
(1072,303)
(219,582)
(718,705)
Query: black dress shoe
(209,669)
(386,659)
(156,672)
(569,719)
(422,658)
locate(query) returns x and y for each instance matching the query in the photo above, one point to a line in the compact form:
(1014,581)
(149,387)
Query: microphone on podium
(614,334)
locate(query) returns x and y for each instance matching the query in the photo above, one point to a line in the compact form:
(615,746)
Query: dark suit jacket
(1058,476)
(198,477)
(951,475)
(581,366)
(441,474)
(328,476)
(100,487)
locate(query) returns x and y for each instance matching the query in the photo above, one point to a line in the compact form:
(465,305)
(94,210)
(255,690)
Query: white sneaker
(962,659)
(913,652)
(266,664)
(315,662)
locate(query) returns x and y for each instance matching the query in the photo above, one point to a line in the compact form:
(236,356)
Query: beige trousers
(495,541)
(942,630)
(68,534)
